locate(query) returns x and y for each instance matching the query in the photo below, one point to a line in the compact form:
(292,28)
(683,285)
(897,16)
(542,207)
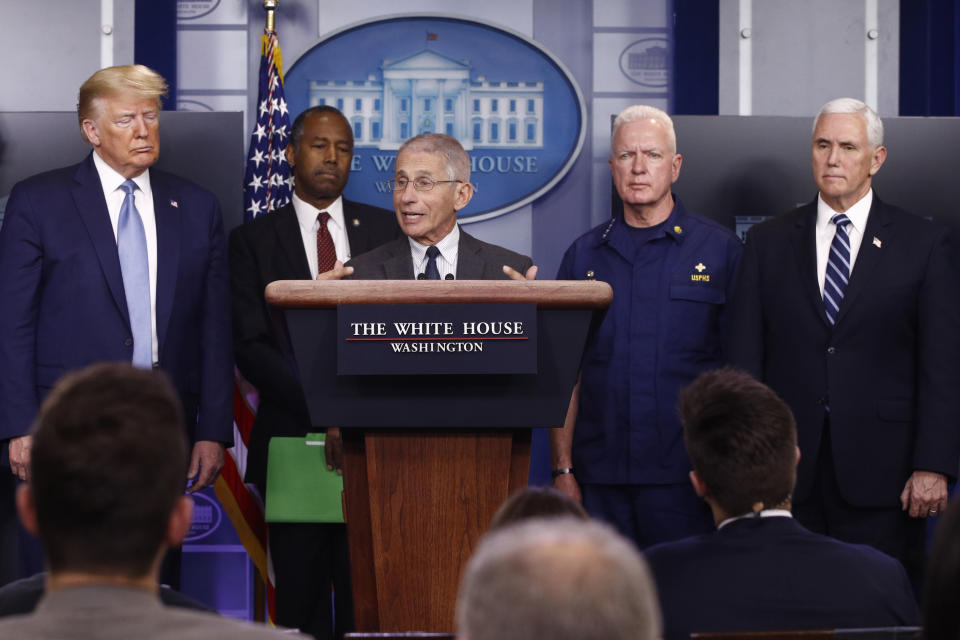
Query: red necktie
(326,252)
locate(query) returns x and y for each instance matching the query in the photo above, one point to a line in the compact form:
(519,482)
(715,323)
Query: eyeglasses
(420,184)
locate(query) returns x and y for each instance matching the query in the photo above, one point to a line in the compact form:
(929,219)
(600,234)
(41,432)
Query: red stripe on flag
(243,414)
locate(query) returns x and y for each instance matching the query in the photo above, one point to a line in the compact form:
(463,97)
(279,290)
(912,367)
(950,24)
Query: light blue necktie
(132,248)
(838,268)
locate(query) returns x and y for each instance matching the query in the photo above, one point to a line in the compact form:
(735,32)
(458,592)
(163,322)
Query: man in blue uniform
(621,450)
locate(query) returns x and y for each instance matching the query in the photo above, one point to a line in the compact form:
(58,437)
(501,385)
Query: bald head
(557,578)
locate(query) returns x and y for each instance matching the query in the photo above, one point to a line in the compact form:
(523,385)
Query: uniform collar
(616,235)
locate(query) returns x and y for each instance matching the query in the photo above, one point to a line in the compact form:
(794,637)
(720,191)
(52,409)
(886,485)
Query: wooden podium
(429,458)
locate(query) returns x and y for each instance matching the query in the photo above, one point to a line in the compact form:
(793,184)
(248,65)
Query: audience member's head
(536,502)
(107,473)
(941,594)
(742,442)
(559,579)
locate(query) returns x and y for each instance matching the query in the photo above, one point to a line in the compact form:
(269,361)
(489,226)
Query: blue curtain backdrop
(930,58)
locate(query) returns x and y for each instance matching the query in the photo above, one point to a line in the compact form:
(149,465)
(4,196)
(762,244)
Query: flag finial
(270,6)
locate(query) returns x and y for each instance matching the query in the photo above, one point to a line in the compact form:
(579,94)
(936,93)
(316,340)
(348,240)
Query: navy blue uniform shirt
(662,330)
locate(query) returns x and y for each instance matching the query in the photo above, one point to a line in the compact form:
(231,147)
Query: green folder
(299,486)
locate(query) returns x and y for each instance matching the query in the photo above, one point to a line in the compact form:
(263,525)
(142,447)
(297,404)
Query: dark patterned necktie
(326,252)
(432,272)
(838,268)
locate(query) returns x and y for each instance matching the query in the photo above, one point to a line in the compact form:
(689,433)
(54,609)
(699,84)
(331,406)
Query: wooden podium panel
(416,503)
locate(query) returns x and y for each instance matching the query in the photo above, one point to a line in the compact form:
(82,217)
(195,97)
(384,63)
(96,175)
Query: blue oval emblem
(206,517)
(646,63)
(514,106)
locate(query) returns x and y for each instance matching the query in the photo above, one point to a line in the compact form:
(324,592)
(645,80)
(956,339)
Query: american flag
(267,184)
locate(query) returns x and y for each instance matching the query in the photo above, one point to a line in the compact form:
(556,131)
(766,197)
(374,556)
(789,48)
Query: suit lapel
(805,248)
(469,263)
(92,208)
(356,231)
(291,241)
(399,264)
(166,208)
(868,255)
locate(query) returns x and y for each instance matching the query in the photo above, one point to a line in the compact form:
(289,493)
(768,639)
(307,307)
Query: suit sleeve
(743,333)
(21,267)
(937,445)
(215,420)
(734,255)
(255,346)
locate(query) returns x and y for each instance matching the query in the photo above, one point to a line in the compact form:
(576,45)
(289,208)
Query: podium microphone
(449,276)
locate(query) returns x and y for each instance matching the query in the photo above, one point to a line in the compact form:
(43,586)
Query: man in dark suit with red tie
(296,242)
(848,307)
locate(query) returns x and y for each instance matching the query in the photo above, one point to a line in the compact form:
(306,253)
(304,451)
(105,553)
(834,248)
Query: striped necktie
(838,268)
(132,250)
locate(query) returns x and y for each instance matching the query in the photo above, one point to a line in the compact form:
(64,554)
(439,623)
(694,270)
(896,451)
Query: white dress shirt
(447,260)
(310,224)
(766,513)
(110,181)
(826,230)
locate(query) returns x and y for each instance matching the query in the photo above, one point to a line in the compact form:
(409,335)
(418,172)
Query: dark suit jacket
(266,249)
(761,574)
(64,305)
(889,370)
(476,260)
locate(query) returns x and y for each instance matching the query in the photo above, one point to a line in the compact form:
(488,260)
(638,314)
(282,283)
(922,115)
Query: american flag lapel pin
(876,242)
(174,204)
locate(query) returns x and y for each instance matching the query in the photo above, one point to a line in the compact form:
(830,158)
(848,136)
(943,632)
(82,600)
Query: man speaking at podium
(431,184)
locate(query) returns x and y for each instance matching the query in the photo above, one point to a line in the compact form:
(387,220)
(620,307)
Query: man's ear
(879,156)
(291,154)
(90,130)
(464,194)
(180,520)
(26,509)
(699,486)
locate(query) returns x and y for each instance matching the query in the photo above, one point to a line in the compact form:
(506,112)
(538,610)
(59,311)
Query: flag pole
(270,6)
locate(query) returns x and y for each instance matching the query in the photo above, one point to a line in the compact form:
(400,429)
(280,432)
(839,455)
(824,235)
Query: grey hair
(457,160)
(645,112)
(852,105)
(559,578)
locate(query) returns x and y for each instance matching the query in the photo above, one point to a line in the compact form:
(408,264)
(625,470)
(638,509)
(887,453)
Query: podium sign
(436,339)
